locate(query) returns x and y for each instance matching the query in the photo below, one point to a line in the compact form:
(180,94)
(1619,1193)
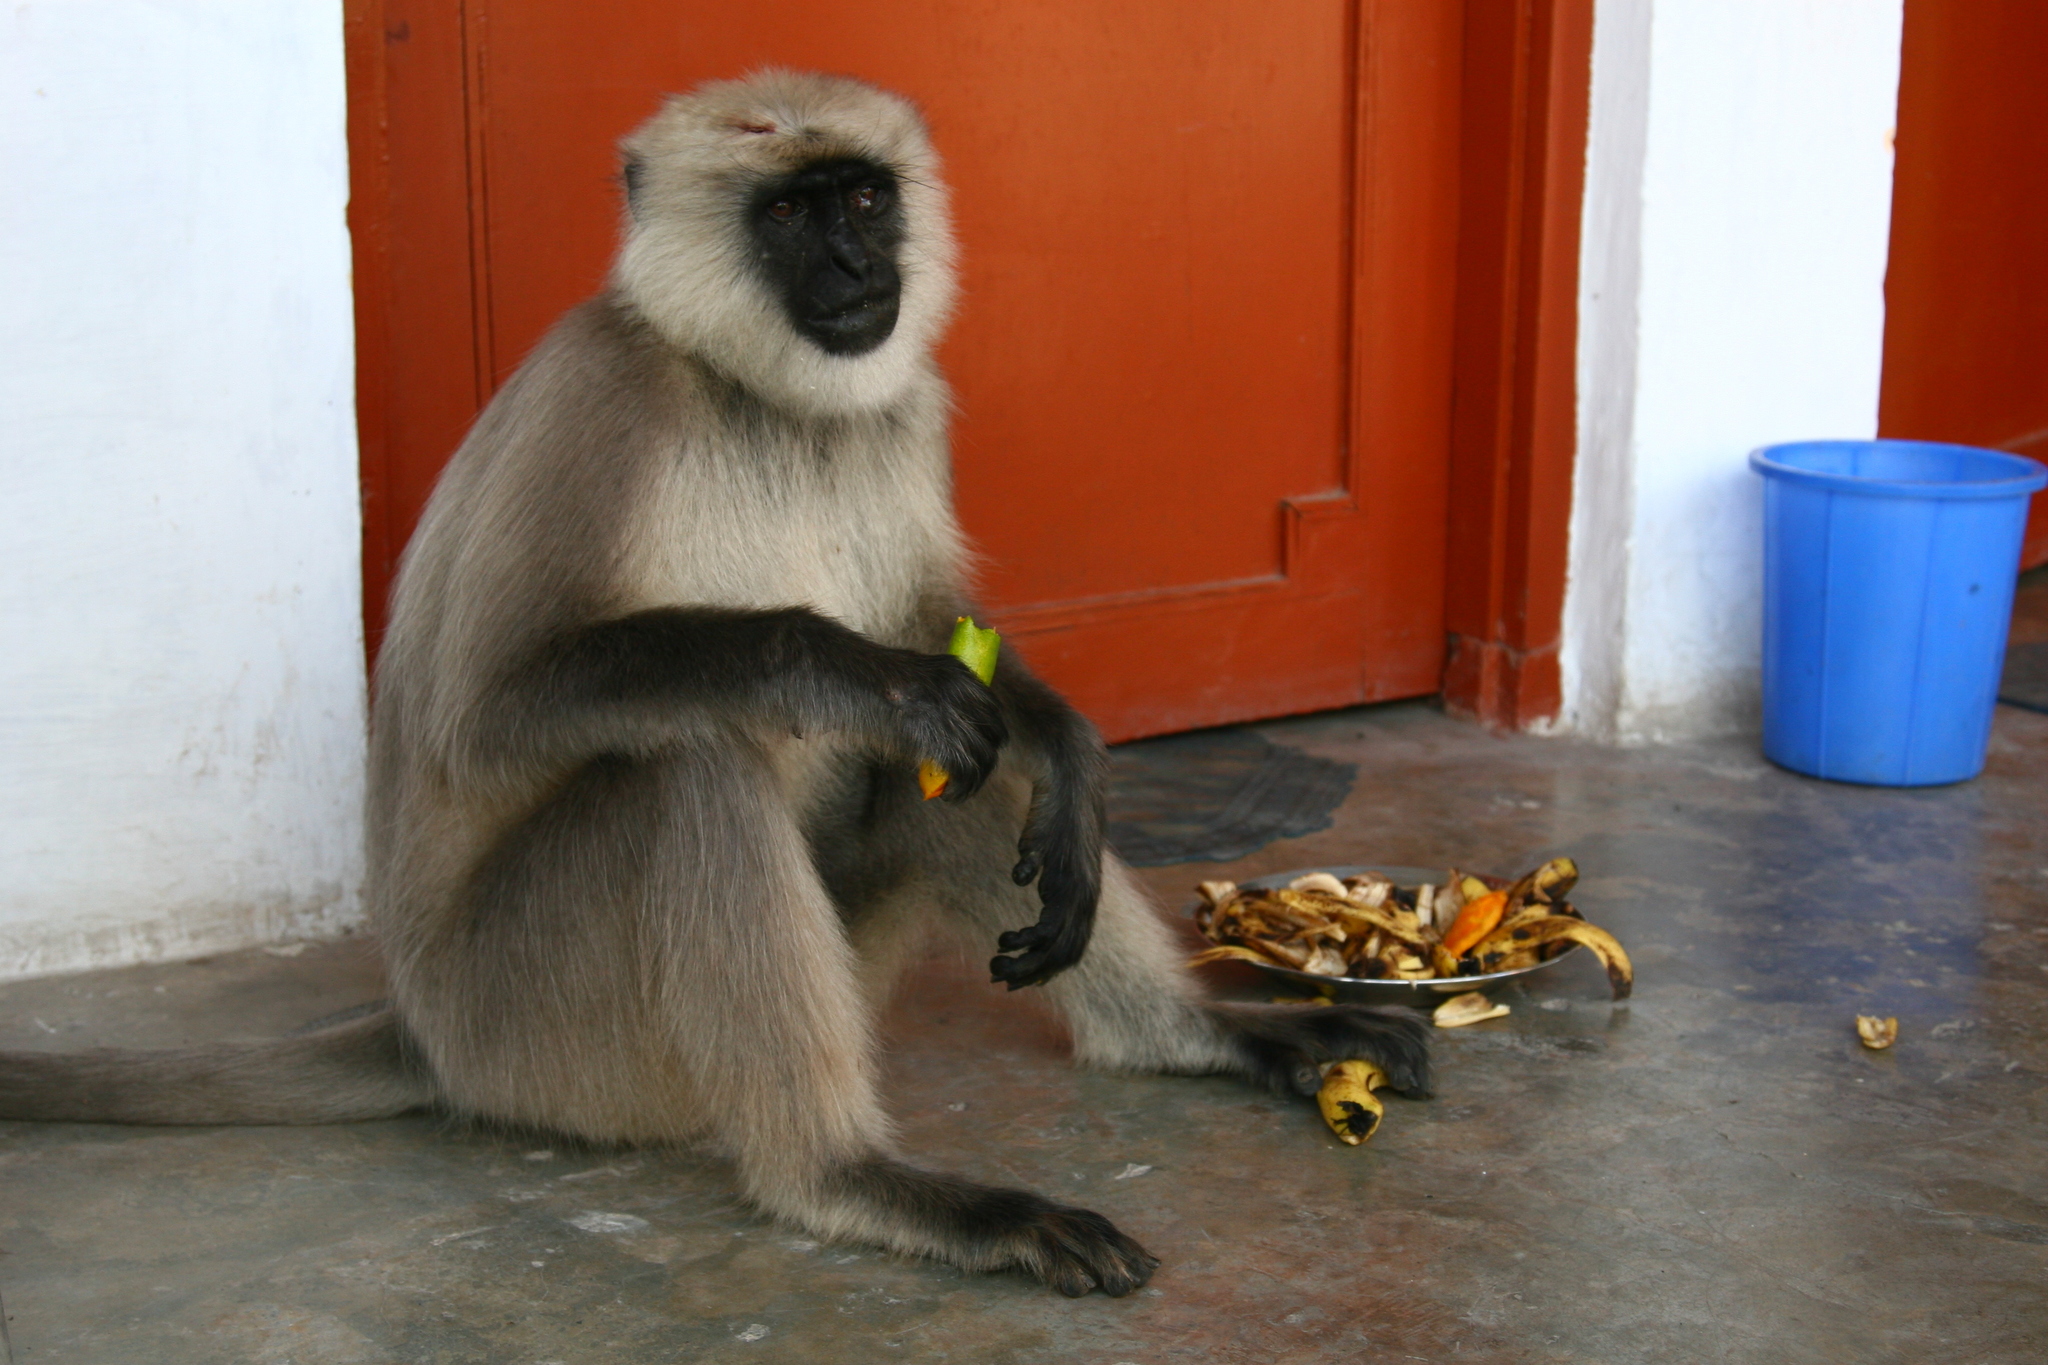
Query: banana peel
(1876,1033)
(1348,1104)
(1389,919)
(1470,1008)
(1503,945)
(1234,952)
(1545,886)
(1523,918)
(977,648)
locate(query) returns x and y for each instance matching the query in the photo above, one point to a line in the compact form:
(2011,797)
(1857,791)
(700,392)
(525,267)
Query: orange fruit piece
(1478,919)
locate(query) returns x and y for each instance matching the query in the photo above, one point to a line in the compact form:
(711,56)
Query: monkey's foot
(1284,1047)
(1076,1250)
(983,1227)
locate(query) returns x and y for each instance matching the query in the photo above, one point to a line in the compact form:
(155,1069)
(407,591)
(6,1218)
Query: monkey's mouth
(855,329)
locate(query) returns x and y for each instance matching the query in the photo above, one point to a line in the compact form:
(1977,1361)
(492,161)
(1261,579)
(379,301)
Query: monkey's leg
(1130,1002)
(772,1027)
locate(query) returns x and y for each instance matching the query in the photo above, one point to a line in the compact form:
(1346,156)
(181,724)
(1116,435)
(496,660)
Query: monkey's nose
(848,254)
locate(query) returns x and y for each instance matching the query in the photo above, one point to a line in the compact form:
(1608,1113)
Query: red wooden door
(1966,295)
(1203,363)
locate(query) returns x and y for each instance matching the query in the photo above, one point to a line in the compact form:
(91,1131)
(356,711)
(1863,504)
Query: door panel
(1966,295)
(1203,358)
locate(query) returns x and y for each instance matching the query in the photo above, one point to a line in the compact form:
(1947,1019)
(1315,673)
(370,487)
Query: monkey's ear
(631,174)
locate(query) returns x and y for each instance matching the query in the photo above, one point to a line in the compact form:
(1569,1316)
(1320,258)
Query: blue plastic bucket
(1889,569)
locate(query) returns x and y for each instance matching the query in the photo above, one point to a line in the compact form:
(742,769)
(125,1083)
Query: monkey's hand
(949,716)
(1062,851)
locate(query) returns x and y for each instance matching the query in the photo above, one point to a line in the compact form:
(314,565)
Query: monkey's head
(791,230)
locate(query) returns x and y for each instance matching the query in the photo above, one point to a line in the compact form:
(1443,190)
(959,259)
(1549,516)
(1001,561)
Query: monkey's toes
(1076,1250)
(1395,1040)
(1284,1046)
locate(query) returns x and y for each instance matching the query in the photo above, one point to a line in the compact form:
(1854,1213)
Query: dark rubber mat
(2026,676)
(1215,795)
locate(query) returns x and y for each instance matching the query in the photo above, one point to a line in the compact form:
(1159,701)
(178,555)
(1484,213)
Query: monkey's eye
(868,199)
(785,210)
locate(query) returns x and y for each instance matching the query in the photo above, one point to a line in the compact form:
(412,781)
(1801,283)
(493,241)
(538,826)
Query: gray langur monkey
(645,845)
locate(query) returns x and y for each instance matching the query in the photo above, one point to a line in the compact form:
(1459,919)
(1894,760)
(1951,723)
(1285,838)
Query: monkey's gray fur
(645,845)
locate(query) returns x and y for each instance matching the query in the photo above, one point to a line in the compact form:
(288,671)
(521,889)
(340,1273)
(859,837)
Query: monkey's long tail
(360,1068)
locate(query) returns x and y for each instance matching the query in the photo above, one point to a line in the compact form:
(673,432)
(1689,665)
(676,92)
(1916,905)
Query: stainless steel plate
(1419,994)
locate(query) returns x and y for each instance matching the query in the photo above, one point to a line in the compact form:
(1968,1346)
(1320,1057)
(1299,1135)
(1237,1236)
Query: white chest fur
(860,529)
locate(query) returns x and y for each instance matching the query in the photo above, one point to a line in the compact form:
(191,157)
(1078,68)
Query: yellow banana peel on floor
(1348,1104)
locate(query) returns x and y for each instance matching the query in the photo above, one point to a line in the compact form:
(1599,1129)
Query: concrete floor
(1716,1172)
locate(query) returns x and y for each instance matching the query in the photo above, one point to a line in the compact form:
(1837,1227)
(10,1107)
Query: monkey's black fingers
(1038,963)
(1019,940)
(951,718)
(1015,973)
(1033,968)
(1028,867)
(1068,892)
(1045,949)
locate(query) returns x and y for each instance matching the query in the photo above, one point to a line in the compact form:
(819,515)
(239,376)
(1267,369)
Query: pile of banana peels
(1367,928)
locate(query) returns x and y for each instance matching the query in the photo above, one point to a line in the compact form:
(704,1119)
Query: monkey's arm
(1062,843)
(634,682)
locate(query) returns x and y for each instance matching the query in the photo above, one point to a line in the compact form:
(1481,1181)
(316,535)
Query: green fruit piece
(975,647)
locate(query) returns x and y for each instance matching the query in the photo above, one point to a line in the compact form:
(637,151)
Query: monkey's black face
(826,238)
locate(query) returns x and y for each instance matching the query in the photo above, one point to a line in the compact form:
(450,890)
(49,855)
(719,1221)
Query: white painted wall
(1738,214)
(181,677)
